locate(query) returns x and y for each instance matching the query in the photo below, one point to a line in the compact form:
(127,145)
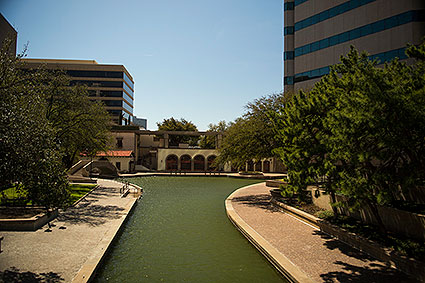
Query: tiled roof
(115,153)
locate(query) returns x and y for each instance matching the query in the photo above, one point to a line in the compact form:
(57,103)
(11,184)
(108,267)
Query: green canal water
(179,232)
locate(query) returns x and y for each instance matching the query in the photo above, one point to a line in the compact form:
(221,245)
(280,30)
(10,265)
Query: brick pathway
(77,235)
(320,257)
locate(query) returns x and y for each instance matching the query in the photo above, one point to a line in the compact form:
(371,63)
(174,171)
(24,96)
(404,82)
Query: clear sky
(201,60)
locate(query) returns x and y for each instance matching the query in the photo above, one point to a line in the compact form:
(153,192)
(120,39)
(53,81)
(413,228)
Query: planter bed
(24,218)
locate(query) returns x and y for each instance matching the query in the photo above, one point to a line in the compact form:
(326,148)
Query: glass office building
(111,84)
(317,33)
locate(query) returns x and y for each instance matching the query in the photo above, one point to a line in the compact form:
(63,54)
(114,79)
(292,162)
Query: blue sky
(201,60)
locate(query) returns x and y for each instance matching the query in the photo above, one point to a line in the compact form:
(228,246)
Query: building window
(118,165)
(288,30)
(119,142)
(288,6)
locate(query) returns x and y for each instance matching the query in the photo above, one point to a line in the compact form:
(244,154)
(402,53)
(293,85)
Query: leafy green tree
(82,125)
(44,123)
(252,136)
(172,124)
(360,130)
(209,142)
(29,156)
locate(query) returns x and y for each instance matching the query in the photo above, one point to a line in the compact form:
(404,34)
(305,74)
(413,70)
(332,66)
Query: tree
(44,123)
(361,128)
(82,125)
(251,136)
(209,142)
(29,156)
(172,124)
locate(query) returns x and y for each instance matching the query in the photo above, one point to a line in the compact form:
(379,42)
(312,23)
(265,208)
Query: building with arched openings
(152,152)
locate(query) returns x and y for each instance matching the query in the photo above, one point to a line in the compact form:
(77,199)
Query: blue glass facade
(317,73)
(388,23)
(330,13)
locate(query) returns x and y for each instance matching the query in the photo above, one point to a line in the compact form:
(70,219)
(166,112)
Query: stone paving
(58,254)
(320,257)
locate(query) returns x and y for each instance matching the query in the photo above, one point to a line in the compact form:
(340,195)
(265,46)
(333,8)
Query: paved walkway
(302,247)
(78,239)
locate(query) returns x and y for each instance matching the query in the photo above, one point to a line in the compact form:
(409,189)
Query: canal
(179,231)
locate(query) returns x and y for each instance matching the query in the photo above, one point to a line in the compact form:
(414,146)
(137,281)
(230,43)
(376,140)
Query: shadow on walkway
(372,272)
(260,201)
(334,244)
(90,214)
(15,275)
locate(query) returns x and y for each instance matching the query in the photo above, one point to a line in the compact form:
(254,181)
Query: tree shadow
(335,244)
(90,214)
(13,274)
(373,273)
(261,201)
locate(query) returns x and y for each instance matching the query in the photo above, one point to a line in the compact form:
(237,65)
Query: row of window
(95,74)
(330,13)
(98,83)
(411,16)
(288,30)
(104,93)
(127,97)
(128,80)
(288,55)
(298,2)
(127,107)
(128,90)
(113,103)
(291,5)
(317,73)
(288,6)
(118,103)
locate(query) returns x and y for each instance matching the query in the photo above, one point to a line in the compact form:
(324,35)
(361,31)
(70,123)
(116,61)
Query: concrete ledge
(277,259)
(275,183)
(313,220)
(88,270)
(28,224)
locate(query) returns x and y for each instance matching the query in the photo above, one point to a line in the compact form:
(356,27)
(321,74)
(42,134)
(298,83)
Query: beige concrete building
(153,151)
(317,33)
(111,84)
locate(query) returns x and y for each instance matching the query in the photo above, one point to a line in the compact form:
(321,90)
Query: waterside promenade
(71,249)
(299,249)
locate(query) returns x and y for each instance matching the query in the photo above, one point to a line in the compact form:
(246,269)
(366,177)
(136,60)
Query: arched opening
(266,166)
(199,163)
(210,162)
(250,165)
(258,166)
(171,162)
(185,163)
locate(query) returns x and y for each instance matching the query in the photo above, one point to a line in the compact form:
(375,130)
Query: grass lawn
(77,191)
(14,197)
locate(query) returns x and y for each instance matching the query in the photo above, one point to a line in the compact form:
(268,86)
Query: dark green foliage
(172,124)
(252,136)
(44,123)
(209,142)
(359,132)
